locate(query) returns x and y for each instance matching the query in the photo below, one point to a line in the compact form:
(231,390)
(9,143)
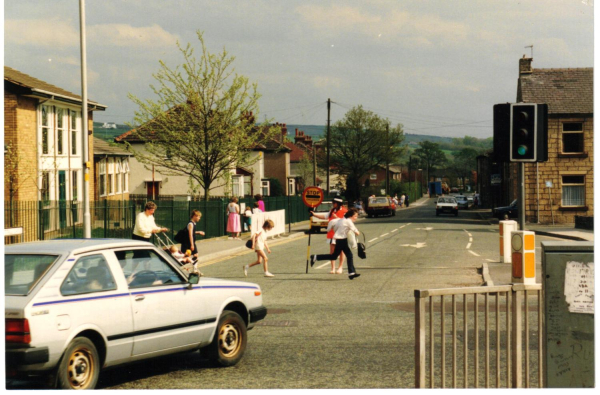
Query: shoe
(352,276)
(340,271)
(246,270)
(269,274)
(332,272)
(313,259)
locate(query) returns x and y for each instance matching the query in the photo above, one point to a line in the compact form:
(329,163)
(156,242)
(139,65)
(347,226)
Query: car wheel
(79,367)
(393,213)
(229,343)
(437,213)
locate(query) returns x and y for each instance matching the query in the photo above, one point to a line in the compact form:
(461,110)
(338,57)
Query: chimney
(525,65)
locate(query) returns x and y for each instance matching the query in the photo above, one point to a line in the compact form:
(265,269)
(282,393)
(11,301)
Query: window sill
(574,155)
(573,208)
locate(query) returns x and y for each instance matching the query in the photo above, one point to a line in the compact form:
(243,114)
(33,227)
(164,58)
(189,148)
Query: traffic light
(502,132)
(528,132)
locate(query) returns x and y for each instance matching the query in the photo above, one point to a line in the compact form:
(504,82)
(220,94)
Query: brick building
(43,134)
(557,190)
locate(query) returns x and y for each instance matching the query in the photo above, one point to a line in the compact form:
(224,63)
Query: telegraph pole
(87,223)
(328,140)
(387,160)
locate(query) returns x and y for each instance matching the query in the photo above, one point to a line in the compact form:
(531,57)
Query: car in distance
(454,190)
(446,205)
(511,211)
(380,205)
(462,201)
(74,307)
(316,224)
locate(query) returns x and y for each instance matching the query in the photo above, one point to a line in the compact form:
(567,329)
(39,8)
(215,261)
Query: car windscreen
(324,207)
(446,200)
(380,200)
(23,271)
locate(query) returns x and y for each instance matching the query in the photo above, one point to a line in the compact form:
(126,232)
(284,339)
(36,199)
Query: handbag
(361,248)
(249,243)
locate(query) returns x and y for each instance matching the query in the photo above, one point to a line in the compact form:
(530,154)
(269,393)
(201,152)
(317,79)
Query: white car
(316,224)
(73,307)
(446,205)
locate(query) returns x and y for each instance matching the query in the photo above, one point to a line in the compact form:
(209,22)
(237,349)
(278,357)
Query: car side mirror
(193,279)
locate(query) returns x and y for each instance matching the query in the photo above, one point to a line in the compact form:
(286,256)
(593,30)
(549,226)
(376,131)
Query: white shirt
(144,225)
(259,244)
(341,227)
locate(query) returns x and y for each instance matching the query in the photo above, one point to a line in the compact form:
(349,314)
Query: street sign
(496,179)
(312,196)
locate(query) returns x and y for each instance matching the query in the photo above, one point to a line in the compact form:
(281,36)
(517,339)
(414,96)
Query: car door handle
(139,298)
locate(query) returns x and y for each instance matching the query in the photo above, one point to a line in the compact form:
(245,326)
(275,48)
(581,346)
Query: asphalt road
(324,330)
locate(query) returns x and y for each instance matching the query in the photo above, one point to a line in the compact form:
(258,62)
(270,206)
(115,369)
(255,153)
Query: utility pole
(87,223)
(314,165)
(387,160)
(328,140)
(409,167)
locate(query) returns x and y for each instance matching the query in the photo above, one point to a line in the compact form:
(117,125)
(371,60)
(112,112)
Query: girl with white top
(259,243)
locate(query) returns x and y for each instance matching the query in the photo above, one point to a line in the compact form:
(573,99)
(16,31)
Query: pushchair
(166,246)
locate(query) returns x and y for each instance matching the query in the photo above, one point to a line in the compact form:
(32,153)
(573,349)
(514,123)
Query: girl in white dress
(259,243)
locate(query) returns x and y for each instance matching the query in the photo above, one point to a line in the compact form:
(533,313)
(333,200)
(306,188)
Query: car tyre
(79,367)
(437,213)
(393,213)
(229,343)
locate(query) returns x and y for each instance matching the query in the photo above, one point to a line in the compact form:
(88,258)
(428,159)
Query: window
(235,190)
(45,129)
(265,187)
(573,190)
(60,132)
(74,184)
(119,175)
(102,178)
(145,268)
(89,274)
(373,176)
(45,192)
(111,176)
(572,138)
(22,272)
(74,131)
(125,167)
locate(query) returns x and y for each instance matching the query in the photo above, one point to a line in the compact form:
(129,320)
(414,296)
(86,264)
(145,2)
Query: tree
(202,123)
(430,156)
(360,142)
(464,162)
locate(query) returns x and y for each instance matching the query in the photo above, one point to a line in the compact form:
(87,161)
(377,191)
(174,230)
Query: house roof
(29,86)
(566,91)
(103,148)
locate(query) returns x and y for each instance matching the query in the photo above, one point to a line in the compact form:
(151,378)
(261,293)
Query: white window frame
(46,130)
(373,176)
(564,185)
(572,133)
(74,122)
(110,171)
(265,187)
(125,167)
(102,187)
(118,175)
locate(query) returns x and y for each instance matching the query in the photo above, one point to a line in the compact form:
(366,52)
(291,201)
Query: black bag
(249,243)
(361,249)
(182,235)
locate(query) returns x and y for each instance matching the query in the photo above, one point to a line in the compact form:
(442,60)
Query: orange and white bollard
(523,257)
(506,229)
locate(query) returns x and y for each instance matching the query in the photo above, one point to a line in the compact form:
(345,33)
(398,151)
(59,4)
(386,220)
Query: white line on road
(474,253)
(395,230)
(372,240)
(490,260)
(468,246)
(385,234)
(470,239)
(323,265)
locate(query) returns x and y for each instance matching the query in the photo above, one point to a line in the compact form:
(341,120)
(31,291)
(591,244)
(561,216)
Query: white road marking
(468,246)
(418,245)
(490,260)
(395,230)
(372,240)
(323,265)
(470,239)
(474,253)
(385,234)
(425,228)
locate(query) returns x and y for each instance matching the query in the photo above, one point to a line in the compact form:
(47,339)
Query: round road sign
(312,196)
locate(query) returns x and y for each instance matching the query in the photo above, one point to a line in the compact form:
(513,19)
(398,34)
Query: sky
(435,66)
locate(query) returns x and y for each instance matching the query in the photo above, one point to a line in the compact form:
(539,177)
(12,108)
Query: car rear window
(22,272)
(324,207)
(381,200)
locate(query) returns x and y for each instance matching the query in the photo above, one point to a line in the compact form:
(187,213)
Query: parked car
(316,224)
(454,190)
(74,307)
(462,201)
(446,205)
(511,211)
(380,205)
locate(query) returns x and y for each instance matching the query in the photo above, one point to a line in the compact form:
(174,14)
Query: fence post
(40,221)
(517,339)
(419,340)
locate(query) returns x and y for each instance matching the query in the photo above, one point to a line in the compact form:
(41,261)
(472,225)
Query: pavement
(498,273)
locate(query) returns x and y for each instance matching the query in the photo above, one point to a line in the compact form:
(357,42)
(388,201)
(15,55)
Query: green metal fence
(116,218)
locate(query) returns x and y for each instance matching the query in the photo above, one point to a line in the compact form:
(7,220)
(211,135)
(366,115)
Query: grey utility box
(568,284)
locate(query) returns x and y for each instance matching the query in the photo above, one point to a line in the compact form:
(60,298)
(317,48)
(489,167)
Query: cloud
(123,35)
(41,32)
(58,33)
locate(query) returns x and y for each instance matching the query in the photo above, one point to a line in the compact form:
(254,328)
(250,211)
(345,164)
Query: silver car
(462,201)
(74,307)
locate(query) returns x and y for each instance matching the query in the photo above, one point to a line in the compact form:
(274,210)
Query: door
(167,315)
(62,199)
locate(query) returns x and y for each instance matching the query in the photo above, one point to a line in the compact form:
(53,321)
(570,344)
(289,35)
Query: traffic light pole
(521,182)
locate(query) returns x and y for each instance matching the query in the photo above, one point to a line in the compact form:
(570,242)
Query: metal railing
(516,327)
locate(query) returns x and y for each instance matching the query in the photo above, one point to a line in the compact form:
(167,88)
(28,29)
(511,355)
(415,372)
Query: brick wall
(276,167)
(550,204)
